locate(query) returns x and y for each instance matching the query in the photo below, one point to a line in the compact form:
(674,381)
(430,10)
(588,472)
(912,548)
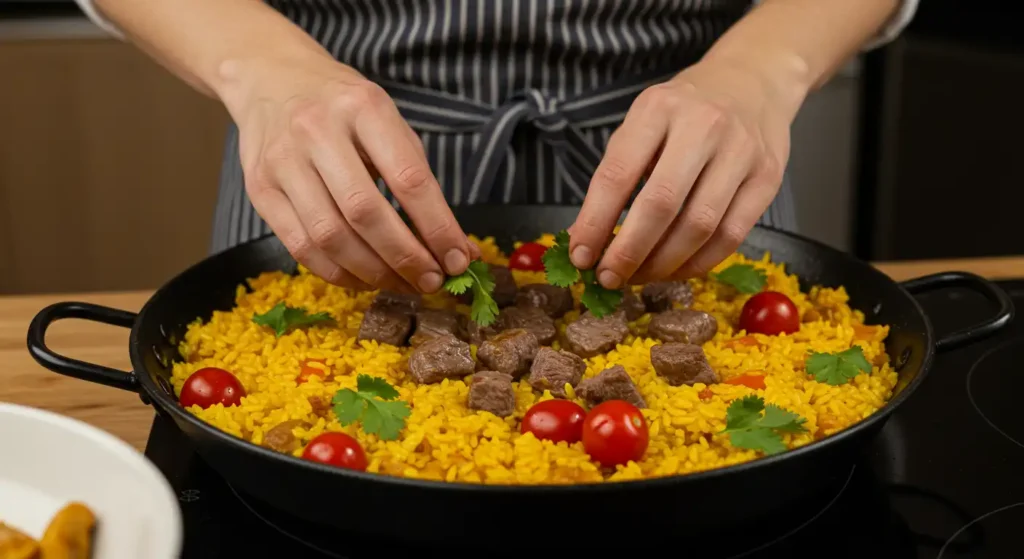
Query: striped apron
(514,100)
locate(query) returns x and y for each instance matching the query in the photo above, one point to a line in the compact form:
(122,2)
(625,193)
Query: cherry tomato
(528,257)
(770,313)
(750,381)
(210,386)
(308,370)
(555,420)
(614,433)
(336,449)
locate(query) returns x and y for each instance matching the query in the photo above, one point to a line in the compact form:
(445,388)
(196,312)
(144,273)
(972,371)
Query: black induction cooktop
(944,479)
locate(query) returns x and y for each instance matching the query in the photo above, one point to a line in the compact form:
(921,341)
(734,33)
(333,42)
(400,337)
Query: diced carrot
(825,423)
(749,380)
(745,341)
(310,368)
(705,394)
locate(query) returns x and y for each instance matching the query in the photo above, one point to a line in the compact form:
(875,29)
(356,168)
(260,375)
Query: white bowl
(48,460)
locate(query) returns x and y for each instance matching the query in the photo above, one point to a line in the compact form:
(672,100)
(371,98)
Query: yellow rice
(443,440)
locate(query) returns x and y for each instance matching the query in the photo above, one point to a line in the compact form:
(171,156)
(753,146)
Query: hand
(314,135)
(713,143)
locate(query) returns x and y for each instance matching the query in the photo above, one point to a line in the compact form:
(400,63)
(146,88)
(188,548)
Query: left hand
(713,142)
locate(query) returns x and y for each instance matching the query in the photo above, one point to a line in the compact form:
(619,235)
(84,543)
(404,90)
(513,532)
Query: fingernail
(430,282)
(581,257)
(455,261)
(610,279)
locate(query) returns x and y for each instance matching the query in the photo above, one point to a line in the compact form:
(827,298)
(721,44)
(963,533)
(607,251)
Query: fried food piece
(69,535)
(16,545)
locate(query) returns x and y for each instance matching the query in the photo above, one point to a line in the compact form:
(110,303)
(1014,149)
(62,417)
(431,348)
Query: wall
(108,165)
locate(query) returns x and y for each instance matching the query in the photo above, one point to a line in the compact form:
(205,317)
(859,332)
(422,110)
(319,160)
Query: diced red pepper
(749,380)
(309,370)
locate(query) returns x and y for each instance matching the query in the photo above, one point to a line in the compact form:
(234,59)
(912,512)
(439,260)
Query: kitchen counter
(22,381)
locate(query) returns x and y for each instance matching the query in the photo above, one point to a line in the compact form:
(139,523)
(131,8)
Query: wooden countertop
(22,381)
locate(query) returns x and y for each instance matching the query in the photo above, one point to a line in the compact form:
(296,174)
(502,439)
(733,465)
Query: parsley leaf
(283,318)
(838,368)
(744,277)
(478,278)
(561,272)
(372,402)
(559,268)
(749,429)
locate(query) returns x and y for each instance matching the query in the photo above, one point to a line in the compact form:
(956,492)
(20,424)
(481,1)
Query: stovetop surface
(944,479)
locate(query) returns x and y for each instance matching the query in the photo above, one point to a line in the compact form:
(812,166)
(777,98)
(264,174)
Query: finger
(686,152)
(400,159)
(326,227)
(275,208)
(372,217)
(702,212)
(630,150)
(752,199)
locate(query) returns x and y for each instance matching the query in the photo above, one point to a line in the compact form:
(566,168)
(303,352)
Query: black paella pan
(418,510)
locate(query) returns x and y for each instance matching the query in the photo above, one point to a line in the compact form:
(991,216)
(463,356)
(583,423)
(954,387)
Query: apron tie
(559,124)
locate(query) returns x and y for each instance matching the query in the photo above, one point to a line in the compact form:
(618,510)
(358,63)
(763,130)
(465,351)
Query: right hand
(314,134)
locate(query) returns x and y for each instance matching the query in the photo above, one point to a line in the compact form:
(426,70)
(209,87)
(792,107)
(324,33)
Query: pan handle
(975,283)
(73,367)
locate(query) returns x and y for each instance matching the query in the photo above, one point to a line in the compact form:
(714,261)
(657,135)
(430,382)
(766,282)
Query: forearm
(801,43)
(205,42)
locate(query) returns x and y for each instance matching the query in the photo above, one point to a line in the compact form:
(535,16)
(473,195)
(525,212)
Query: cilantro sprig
(561,272)
(749,428)
(744,277)
(838,368)
(283,318)
(478,279)
(373,403)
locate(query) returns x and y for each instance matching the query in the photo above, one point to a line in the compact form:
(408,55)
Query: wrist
(785,76)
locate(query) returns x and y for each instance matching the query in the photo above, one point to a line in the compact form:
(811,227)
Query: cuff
(90,9)
(896,24)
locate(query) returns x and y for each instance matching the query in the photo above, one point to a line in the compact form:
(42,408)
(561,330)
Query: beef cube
(280,437)
(590,336)
(510,352)
(492,391)
(660,295)
(551,370)
(682,364)
(406,302)
(440,358)
(687,326)
(320,404)
(610,384)
(531,319)
(553,300)
(476,334)
(505,288)
(431,323)
(386,323)
(632,305)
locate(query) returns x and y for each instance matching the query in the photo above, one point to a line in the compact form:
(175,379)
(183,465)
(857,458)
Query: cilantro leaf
(558,266)
(838,368)
(765,440)
(386,419)
(598,299)
(478,278)
(749,429)
(283,318)
(348,406)
(374,403)
(376,386)
(561,272)
(744,277)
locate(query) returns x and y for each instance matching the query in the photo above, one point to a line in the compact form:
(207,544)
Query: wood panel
(108,168)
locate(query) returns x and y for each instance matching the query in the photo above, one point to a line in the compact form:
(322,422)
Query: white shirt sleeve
(90,9)
(895,25)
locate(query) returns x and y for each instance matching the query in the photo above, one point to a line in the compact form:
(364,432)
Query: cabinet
(108,167)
